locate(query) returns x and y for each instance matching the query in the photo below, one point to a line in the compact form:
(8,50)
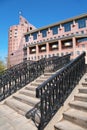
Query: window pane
(34,36)
(81,40)
(67,26)
(54,30)
(81,22)
(44,32)
(26,38)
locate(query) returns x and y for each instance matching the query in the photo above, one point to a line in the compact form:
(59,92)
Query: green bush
(2,66)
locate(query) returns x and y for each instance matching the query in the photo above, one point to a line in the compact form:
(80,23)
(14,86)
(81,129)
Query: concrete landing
(11,120)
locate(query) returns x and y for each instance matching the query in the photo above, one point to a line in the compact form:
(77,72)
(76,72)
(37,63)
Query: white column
(74,46)
(47,48)
(37,52)
(60,47)
(28,53)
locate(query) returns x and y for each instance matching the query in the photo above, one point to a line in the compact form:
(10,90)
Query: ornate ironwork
(34,114)
(56,89)
(55,63)
(19,75)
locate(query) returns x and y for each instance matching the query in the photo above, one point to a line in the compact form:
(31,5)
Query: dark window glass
(67,26)
(26,38)
(82,39)
(54,30)
(44,33)
(34,36)
(81,22)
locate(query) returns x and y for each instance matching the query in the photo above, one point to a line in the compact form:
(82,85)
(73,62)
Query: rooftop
(58,23)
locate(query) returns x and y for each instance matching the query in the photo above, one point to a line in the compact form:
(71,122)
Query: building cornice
(58,23)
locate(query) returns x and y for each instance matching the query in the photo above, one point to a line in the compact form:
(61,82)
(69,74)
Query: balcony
(42,48)
(53,46)
(33,50)
(67,44)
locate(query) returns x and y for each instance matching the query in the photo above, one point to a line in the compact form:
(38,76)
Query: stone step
(32,88)
(40,80)
(83,90)
(28,92)
(35,84)
(44,77)
(77,117)
(6,126)
(80,105)
(84,84)
(66,125)
(81,97)
(85,79)
(18,106)
(27,126)
(6,110)
(48,74)
(26,99)
(9,118)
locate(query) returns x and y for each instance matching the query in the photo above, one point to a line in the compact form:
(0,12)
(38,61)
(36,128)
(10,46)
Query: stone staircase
(75,117)
(14,108)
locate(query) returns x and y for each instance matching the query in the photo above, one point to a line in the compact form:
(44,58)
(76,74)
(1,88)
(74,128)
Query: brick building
(68,36)
(15,41)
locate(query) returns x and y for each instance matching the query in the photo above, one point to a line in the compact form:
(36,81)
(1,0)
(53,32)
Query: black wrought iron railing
(55,63)
(19,75)
(55,90)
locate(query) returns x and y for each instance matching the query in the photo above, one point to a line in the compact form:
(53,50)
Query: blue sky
(38,12)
